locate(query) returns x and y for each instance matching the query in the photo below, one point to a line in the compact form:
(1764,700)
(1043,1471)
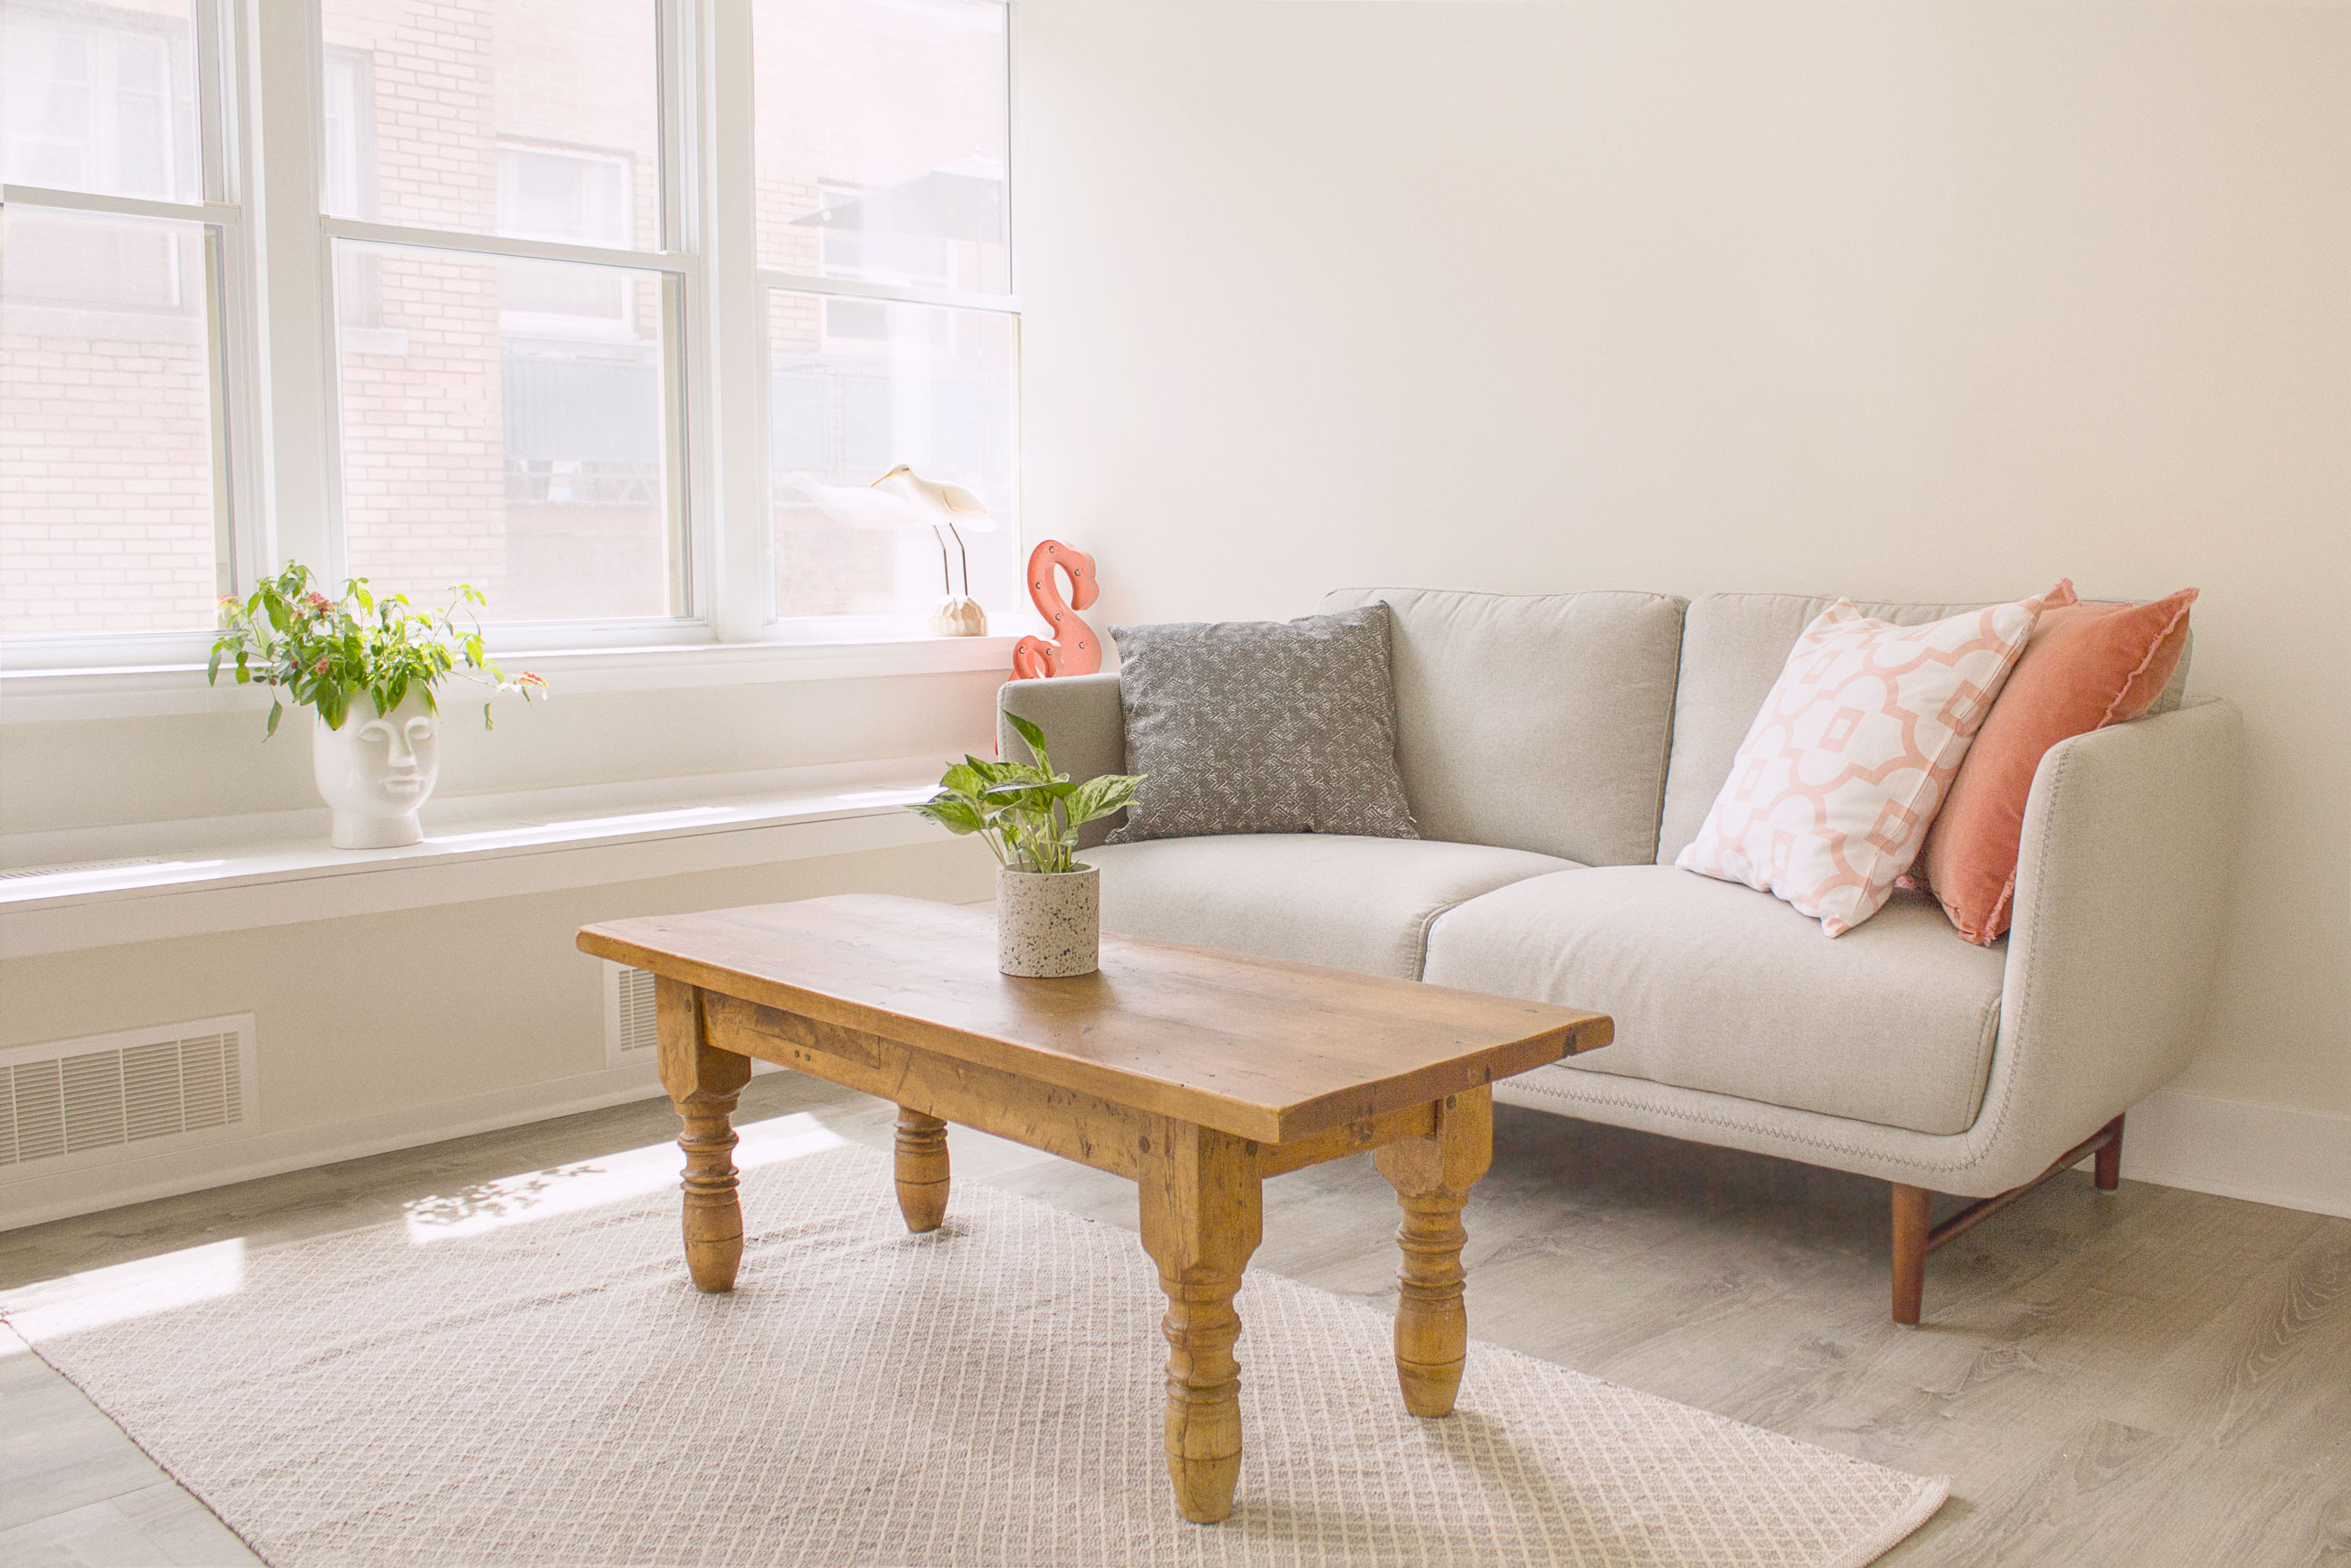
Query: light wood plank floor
(2146,1378)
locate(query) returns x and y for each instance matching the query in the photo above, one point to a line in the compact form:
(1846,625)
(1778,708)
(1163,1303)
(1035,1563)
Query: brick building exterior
(106,447)
(503,420)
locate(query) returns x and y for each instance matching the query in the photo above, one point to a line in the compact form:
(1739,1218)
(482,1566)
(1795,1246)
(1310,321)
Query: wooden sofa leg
(1914,1237)
(1910,1241)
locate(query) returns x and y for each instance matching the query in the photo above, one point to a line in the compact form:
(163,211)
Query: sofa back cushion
(1535,721)
(1734,646)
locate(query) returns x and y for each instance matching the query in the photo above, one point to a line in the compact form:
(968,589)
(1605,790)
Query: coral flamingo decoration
(1073,649)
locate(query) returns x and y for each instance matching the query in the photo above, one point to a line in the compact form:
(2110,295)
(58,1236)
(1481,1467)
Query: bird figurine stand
(958,615)
(1074,649)
(944,505)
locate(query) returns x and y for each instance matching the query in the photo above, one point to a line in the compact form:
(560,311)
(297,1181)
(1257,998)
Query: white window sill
(241,873)
(30,695)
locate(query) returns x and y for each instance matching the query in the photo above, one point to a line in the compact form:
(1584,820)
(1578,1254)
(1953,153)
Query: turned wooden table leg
(704,1082)
(922,1170)
(1202,1218)
(1432,1177)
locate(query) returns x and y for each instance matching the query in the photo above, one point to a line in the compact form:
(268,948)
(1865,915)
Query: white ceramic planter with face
(1047,923)
(376,771)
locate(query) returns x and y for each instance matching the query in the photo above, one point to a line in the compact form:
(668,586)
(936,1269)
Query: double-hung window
(885,260)
(574,347)
(122,242)
(508,305)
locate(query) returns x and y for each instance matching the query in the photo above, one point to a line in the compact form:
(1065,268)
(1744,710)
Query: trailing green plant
(1026,813)
(325,653)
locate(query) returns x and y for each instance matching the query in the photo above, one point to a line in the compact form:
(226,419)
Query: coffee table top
(1253,1047)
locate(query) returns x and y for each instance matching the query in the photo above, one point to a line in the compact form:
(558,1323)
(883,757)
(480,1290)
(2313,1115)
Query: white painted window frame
(278,468)
(231,330)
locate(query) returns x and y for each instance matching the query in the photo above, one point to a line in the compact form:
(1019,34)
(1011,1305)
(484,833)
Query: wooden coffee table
(1196,1074)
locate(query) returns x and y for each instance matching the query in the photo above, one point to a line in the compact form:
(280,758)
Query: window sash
(714,305)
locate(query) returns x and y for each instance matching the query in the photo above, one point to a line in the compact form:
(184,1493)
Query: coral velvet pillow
(2086,667)
(1843,769)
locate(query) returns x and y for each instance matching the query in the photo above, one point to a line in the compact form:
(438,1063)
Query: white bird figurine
(945,506)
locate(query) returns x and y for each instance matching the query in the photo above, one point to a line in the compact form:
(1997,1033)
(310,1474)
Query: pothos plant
(325,653)
(1026,813)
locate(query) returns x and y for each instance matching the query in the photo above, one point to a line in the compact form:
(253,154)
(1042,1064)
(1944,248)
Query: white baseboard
(2270,1154)
(2267,1154)
(37,1199)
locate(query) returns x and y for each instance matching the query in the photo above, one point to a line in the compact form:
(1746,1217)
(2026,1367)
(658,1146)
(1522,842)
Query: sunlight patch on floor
(567,1189)
(126,1291)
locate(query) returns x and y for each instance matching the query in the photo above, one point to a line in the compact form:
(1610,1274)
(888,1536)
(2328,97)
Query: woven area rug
(464,1388)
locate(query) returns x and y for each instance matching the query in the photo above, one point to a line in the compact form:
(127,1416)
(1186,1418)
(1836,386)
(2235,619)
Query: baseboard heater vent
(630,1031)
(70,868)
(123,1096)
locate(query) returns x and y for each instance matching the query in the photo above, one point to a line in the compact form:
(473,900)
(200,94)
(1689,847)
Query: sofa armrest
(2122,887)
(1085,731)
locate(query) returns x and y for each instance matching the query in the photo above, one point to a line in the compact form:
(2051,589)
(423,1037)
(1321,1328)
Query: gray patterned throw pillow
(1262,727)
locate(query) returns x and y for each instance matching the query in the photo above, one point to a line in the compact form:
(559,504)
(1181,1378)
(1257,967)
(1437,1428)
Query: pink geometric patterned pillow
(1841,772)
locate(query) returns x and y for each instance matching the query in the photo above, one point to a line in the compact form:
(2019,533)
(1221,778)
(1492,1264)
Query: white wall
(1924,301)
(400,1027)
(375,1013)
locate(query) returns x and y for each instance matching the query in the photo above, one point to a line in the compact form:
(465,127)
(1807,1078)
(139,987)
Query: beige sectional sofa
(1558,750)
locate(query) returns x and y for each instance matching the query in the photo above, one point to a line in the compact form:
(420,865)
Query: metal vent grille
(68,867)
(631,1033)
(119,1096)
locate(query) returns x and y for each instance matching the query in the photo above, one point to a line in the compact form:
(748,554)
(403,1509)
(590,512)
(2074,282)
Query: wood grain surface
(1432,1175)
(1195,1073)
(703,1083)
(1201,1207)
(1252,1047)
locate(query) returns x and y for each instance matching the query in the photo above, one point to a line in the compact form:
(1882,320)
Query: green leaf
(277,712)
(955,813)
(323,656)
(1101,795)
(998,772)
(1033,737)
(1036,794)
(1010,819)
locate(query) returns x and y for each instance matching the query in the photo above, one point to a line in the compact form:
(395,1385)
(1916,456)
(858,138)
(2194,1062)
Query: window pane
(106,432)
(882,133)
(100,99)
(505,117)
(859,387)
(503,426)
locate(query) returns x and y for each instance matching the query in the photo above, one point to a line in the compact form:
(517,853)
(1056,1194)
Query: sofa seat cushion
(1718,988)
(1317,898)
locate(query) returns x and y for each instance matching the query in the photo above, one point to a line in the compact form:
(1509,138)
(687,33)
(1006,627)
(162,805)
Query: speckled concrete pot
(1047,923)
